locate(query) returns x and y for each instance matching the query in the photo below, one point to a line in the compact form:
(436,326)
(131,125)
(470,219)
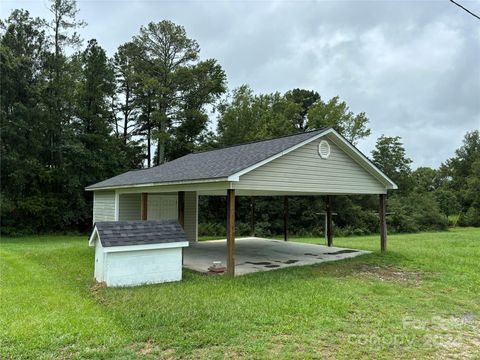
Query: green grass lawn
(421,299)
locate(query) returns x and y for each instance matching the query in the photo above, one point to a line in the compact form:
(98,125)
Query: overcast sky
(412,66)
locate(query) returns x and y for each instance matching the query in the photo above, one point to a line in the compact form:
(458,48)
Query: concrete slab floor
(258,254)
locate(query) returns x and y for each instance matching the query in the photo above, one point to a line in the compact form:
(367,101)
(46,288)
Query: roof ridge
(235,145)
(257,141)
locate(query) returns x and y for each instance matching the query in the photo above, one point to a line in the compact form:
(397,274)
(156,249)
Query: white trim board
(117,205)
(171,245)
(91,240)
(167,183)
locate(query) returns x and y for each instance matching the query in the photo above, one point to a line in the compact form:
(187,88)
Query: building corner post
(231,232)
(383,222)
(285,218)
(181,209)
(252,216)
(144,206)
(329,202)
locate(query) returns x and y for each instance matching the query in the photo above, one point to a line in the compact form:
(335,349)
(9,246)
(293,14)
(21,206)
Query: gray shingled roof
(141,232)
(213,164)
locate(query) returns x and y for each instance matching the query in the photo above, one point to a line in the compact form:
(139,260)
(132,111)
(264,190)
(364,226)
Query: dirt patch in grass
(216,352)
(68,352)
(381,273)
(281,344)
(147,348)
(95,291)
(97,286)
(150,349)
(277,344)
(233,354)
(390,274)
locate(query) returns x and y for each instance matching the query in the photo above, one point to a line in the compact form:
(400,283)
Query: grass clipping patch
(456,337)
(381,273)
(390,274)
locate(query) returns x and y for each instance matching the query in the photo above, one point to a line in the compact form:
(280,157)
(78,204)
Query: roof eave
(185,182)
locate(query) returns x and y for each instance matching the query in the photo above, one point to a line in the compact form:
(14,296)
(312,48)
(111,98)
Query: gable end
(303,169)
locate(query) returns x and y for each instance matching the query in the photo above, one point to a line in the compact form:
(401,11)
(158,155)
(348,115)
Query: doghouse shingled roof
(141,232)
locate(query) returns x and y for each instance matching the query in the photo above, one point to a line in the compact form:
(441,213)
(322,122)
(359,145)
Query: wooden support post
(383,222)
(329,220)
(252,216)
(181,214)
(144,206)
(231,232)
(285,218)
(181,208)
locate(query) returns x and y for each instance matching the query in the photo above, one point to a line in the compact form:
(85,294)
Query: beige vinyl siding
(162,206)
(303,170)
(103,206)
(191,215)
(129,207)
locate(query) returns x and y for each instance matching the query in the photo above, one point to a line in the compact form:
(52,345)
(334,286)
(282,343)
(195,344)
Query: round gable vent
(324,149)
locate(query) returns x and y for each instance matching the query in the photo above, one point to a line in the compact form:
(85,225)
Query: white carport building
(319,162)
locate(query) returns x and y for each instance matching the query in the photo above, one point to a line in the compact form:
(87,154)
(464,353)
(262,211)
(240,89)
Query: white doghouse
(129,253)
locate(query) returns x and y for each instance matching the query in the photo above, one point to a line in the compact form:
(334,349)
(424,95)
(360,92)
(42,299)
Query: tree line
(71,116)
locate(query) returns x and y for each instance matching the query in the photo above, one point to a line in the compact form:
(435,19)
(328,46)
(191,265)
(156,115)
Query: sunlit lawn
(419,300)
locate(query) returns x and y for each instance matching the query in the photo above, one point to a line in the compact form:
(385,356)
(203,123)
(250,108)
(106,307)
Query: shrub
(470,218)
(212,229)
(418,212)
(219,229)
(453,220)
(262,229)
(242,229)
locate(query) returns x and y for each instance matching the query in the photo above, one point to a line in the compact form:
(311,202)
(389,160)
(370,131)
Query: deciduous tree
(248,117)
(304,99)
(336,114)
